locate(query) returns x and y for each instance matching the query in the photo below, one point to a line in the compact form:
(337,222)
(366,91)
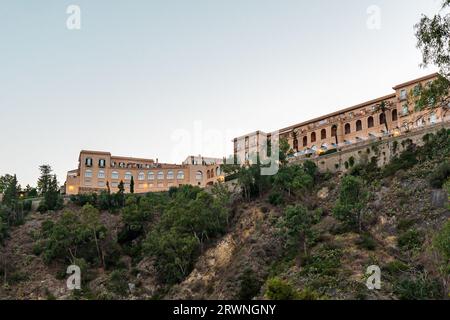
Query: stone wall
(384,149)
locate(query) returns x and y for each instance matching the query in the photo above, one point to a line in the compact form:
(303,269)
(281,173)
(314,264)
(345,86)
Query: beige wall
(147,177)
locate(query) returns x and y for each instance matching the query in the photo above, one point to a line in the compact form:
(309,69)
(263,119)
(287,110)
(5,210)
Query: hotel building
(96,169)
(390,115)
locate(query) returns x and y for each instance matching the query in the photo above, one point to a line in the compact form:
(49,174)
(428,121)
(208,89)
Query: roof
(405,84)
(367,103)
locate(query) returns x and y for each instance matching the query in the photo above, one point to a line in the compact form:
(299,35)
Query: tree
(298,222)
(120,195)
(30,192)
(284,151)
(433,39)
(11,192)
(294,178)
(52,198)
(351,201)
(132,185)
(5,181)
(45,179)
(90,217)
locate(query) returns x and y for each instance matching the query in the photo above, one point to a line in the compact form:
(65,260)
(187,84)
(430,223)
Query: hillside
(298,235)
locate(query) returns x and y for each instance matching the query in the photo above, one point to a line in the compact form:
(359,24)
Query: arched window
(334,131)
(170,175)
(358,125)
(394,115)
(160,175)
(151,175)
(323,134)
(128,175)
(313,137)
(180,175)
(218,171)
(114,175)
(101,174)
(382,118)
(141,176)
(370,123)
(347,129)
(88,174)
(305,141)
(199,175)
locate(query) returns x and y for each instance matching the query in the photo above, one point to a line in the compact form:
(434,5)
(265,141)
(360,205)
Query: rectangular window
(405,109)
(403,94)
(102,184)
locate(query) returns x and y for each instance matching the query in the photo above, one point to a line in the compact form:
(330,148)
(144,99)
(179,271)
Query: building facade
(97,170)
(390,115)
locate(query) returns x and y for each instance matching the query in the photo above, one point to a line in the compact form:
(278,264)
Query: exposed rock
(439,198)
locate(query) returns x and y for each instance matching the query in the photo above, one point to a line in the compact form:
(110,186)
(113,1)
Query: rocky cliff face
(402,214)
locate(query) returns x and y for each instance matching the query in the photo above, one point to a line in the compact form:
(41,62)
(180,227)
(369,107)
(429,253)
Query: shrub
(276,199)
(406,160)
(250,285)
(27,205)
(117,282)
(395,267)
(309,295)
(410,240)
(405,224)
(325,262)
(278,289)
(418,288)
(440,175)
(366,241)
(442,243)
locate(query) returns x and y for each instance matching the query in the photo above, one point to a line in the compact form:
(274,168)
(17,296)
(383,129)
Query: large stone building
(391,115)
(98,169)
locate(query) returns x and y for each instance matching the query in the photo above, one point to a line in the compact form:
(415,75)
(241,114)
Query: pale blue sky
(140,73)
